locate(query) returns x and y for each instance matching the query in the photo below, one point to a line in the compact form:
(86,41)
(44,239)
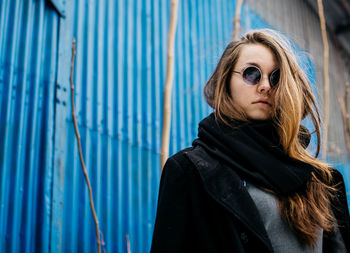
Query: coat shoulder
(180,158)
(178,166)
(188,160)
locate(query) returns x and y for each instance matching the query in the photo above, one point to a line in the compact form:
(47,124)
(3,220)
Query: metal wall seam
(59,5)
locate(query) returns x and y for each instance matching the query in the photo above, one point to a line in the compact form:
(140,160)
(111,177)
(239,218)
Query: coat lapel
(225,186)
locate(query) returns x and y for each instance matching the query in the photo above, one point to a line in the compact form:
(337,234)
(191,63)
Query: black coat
(204,207)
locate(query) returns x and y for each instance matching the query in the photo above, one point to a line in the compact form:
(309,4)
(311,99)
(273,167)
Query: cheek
(235,89)
(242,95)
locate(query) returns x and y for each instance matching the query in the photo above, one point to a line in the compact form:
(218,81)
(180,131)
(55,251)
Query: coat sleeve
(340,238)
(342,212)
(170,225)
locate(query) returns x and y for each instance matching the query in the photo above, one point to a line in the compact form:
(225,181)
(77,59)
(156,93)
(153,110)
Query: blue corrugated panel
(119,77)
(28,46)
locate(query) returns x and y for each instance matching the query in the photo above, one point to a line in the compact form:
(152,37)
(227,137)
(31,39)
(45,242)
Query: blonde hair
(294,100)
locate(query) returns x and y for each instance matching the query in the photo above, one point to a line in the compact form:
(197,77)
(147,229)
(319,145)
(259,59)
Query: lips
(262,101)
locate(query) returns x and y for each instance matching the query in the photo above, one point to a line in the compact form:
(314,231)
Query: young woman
(248,184)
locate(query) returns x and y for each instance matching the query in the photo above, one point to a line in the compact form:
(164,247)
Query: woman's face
(255,100)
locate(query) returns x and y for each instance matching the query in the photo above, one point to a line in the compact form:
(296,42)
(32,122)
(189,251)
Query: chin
(259,116)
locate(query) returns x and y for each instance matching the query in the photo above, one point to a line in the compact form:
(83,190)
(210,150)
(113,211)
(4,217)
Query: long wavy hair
(305,212)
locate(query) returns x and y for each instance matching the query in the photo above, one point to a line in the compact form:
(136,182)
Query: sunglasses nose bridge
(264,84)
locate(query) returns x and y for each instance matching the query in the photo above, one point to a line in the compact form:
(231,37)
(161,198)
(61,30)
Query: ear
(304,136)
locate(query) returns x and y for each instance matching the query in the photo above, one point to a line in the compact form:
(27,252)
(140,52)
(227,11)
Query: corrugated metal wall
(119,76)
(28,43)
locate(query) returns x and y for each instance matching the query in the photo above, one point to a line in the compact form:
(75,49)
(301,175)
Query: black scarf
(253,151)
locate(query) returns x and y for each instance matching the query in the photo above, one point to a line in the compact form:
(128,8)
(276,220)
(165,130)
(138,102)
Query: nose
(264,85)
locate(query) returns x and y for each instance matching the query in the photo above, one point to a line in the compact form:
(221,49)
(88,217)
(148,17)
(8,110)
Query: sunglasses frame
(249,83)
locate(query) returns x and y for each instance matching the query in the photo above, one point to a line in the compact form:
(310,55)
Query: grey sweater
(282,237)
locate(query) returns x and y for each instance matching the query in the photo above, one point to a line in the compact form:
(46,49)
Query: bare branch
(343,103)
(128,244)
(168,85)
(237,20)
(80,151)
(325,77)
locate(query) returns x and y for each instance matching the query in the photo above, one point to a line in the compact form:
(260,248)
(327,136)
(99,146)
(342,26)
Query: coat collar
(224,185)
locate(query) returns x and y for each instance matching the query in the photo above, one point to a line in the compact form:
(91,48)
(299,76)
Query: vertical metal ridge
(43,230)
(17,200)
(7,133)
(108,233)
(33,110)
(120,207)
(187,85)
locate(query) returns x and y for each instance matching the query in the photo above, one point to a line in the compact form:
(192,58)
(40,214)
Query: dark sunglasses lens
(252,75)
(275,78)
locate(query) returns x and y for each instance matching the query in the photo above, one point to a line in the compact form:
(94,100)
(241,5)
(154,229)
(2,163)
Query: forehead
(258,54)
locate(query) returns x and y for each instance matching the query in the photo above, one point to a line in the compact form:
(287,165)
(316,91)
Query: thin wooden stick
(80,151)
(128,244)
(236,21)
(168,85)
(346,102)
(343,102)
(325,77)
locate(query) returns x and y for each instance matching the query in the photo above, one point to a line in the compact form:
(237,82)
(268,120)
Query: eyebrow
(257,65)
(253,63)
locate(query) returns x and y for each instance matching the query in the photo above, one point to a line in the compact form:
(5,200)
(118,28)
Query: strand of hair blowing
(309,211)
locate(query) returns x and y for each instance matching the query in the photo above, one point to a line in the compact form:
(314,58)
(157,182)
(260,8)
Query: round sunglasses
(252,76)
